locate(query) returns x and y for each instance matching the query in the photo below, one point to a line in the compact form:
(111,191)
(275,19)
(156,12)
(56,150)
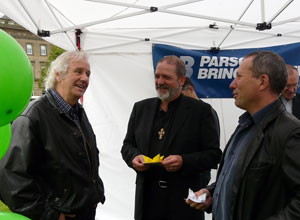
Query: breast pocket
(258,172)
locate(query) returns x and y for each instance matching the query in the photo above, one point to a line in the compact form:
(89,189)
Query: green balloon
(5,136)
(16,79)
(12,216)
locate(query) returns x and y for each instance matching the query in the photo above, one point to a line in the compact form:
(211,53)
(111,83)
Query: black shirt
(162,120)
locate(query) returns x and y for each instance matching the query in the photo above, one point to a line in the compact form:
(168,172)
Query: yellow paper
(155,159)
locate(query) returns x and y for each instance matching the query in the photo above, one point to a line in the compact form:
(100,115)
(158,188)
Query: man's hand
(172,163)
(138,163)
(201,206)
(63,216)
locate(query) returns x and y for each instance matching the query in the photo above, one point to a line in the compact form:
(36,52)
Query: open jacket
(51,166)
(194,135)
(267,176)
(296,106)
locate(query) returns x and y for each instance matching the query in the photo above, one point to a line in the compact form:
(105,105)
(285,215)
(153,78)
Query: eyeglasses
(288,86)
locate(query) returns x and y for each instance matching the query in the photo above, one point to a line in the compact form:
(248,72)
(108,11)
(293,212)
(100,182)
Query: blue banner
(213,71)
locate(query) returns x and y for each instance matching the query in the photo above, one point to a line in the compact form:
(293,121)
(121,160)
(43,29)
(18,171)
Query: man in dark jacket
(185,132)
(259,175)
(51,168)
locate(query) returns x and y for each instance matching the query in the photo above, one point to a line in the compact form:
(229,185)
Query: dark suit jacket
(296,106)
(194,135)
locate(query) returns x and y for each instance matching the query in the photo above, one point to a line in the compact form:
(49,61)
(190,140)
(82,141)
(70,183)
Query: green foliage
(3,207)
(54,53)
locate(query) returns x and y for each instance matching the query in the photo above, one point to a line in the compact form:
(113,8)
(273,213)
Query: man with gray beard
(184,131)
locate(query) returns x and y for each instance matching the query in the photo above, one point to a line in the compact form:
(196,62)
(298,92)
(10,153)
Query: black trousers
(167,204)
(166,200)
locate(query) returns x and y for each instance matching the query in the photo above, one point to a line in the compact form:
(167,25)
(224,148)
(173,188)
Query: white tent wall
(121,61)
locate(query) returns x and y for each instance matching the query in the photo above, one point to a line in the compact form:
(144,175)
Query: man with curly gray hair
(53,158)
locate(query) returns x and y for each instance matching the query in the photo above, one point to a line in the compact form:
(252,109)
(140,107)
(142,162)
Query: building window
(29,49)
(43,50)
(11,22)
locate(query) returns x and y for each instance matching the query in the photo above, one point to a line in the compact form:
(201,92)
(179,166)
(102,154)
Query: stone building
(35,47)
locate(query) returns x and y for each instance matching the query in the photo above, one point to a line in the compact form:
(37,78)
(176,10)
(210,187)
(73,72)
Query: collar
(173,104)
(247,118)
(284,100)
(61,103)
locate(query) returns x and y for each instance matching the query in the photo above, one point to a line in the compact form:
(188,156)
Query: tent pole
(250,41)
(28,14)
(281,10)
(180,3)
(113,35)
(164,10)
(58,11)
(207,17)
(59,23)
(152,41)
(147,11)
(262,10)
(286,21)
(142,39)
(182,44)
(80,26)
(120,4)
(232,27)
(112,46)
(179,32)
(141,6)
(222,113)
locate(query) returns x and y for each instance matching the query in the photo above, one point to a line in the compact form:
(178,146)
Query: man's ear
(190,88)
(264,81)
(182,80)
(57,77)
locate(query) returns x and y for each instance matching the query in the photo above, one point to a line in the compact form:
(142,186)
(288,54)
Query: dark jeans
(85,214)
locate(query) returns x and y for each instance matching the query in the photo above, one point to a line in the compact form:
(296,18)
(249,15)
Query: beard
(169,94)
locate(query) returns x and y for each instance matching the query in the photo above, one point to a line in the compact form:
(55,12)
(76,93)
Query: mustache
(163,86)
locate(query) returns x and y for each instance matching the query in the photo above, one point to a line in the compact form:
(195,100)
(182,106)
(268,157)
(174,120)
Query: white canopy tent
(119,35)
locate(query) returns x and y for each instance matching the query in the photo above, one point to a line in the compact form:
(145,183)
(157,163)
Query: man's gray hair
(60,66)
(271,64)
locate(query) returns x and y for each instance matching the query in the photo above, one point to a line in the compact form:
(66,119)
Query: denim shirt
(223,191)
